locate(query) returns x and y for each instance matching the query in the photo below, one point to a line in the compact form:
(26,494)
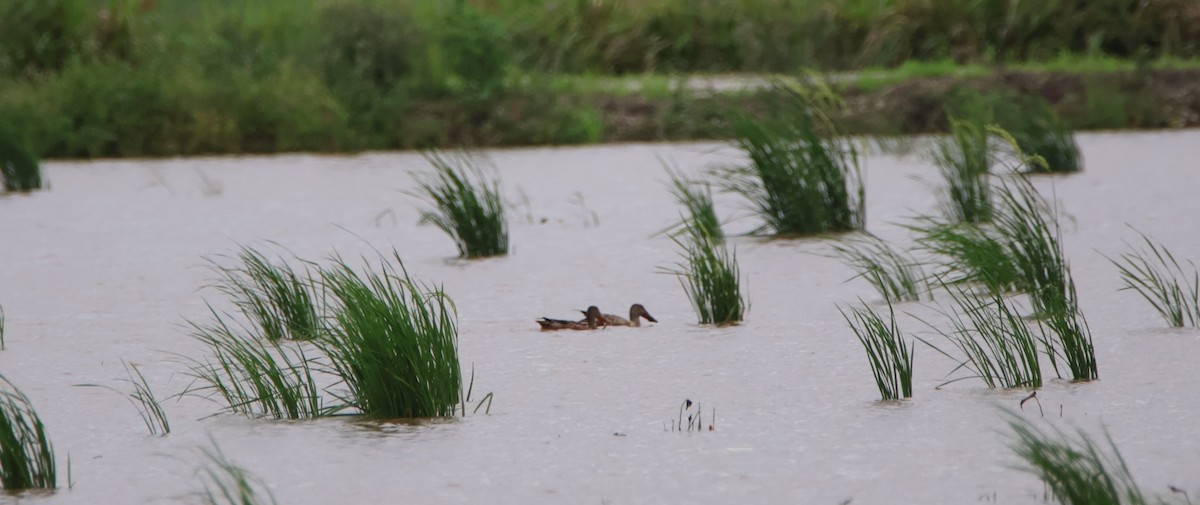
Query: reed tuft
(1075,468)
(466,205)
(280,302)
(392,342)
(26,456)
(890,357)
(803,177)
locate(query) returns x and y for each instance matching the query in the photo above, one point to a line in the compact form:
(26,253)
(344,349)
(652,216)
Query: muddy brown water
(109,263)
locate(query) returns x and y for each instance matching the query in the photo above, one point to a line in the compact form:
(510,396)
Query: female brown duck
(592,319)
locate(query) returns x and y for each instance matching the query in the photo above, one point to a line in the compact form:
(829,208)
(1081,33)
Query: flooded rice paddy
(109,264)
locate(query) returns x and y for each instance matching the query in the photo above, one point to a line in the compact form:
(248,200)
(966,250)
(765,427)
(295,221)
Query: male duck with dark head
(636,312)
(592,319)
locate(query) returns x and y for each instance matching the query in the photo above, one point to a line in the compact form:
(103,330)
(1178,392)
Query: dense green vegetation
(26,456)
(145,77)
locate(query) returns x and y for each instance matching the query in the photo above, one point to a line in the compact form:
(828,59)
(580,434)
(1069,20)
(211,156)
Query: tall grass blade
(1154,273)
(698,221)
(895,275)
(255,377)
(142,398)
(2,328)
(226,483)
(393,342)
(964,160)
(803,178)
(1077,470)
(281,303)
(995,343)
(26,456)
(466,205)
(148,405)
(890,357)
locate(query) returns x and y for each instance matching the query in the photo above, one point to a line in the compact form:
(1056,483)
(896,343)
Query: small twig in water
(1033,396)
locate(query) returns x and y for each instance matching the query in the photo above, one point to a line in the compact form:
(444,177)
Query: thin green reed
(995,345)
(964,159)
(708,271)
(280,302)
(255,377)
(891,359)
(1075,468)
(226,483)
(1154,273)
(895,275)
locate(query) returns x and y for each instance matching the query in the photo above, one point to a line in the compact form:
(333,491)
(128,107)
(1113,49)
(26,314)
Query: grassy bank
(90,78)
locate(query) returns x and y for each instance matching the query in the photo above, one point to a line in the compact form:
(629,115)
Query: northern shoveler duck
(592,319)
(636,312)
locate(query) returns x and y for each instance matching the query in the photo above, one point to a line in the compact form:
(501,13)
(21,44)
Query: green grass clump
(964,160)
(466,205)
(709,275)
(393,343)
(974,255)
(255,377)
(1039,131)
(277,300)
(226,483)
(998,347)
(709,271)
(890,358)
(19,169)
(1155,274)
(803,178)
(26,457)
(1072,335)
(895,275)
(1076,469)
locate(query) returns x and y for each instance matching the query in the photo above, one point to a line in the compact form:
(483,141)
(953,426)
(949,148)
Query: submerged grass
(964,161)
(895,275)
(393,342)
(226,483)
(996,344)
(803,178)
(26,456)
(280,303)
(466,205)
(255,377)
(890,357)
(1155,274)
(1077,470)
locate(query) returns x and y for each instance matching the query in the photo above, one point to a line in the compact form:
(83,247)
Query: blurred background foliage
(162,77)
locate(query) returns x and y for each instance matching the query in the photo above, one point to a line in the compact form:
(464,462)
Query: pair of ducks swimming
(593,318)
